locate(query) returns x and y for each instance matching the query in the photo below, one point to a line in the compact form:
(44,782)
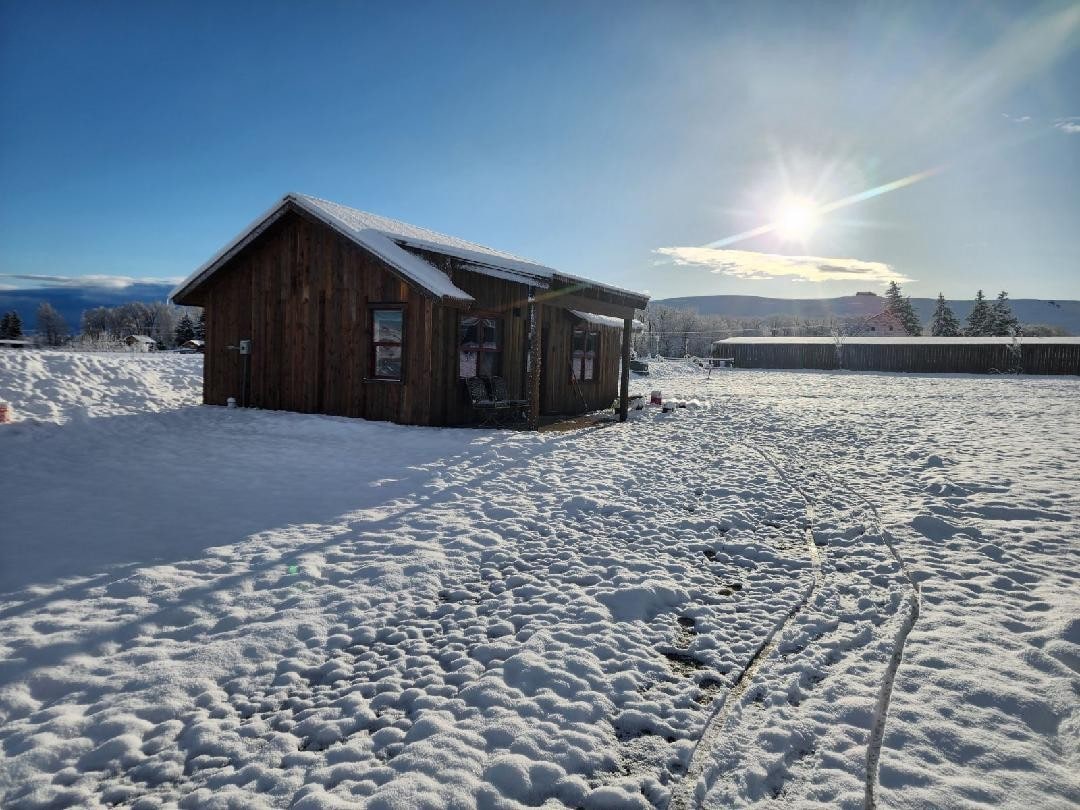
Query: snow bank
(50,386)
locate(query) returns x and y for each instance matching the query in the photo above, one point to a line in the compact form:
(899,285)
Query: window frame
(577,364)
(383,306)
(500,335)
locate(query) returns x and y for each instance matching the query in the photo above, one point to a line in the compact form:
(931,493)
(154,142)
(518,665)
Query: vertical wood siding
(505,299)
(560,392)
(301,293)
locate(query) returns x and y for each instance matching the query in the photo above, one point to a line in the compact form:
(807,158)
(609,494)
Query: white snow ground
(212,608)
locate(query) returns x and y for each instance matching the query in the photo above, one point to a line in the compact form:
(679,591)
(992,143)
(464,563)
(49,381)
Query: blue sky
(622,141)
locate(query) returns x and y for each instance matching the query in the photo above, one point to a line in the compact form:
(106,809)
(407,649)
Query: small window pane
(479,346)
(387,323)
(489,364)
(468,333)
(588,367)
(591,341)
(388,361)
(491,334)
(468,363)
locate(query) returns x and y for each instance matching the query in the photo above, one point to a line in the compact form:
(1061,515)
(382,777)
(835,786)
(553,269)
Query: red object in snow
(655,398)
(5,413)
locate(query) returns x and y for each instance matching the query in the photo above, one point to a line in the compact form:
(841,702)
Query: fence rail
(969,358)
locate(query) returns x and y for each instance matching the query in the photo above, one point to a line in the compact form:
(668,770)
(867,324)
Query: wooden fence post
(624,374)
(535,327)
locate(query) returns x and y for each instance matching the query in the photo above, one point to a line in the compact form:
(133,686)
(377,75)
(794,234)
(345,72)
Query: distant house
(321,308)
(193,345)
(140,343)
(884,324)
(16,343)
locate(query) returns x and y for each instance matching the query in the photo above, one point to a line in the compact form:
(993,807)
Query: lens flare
(796,219)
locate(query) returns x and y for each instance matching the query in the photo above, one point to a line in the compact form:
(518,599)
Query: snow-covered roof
(905,339)
(141,338)
(606,320)
(390,240)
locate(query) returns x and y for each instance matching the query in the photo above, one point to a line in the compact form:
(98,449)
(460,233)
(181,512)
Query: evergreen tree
(185,331)
(11,326)
(1004,322)
(980,321)
(51,325)
(944,323)
(901,307)
(200,326)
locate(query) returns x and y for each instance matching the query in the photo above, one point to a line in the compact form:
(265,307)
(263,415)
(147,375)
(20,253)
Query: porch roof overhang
(580,296)
(606,320)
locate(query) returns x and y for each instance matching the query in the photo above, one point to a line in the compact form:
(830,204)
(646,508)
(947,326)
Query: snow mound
(53,386)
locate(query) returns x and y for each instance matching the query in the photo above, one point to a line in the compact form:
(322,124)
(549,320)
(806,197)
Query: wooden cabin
(321,308)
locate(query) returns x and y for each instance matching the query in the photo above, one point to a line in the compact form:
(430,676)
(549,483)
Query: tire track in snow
(682,792)
(881,707)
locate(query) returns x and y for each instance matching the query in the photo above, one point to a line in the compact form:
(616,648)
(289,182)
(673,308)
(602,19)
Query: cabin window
(586,344)
(480,344)
(387,338)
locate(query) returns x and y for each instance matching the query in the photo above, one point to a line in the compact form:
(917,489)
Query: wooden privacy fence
(969,358)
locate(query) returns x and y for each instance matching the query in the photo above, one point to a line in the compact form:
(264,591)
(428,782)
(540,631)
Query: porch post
(534,364)
(624,376)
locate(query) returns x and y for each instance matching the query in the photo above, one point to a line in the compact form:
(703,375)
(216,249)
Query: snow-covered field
(212,608)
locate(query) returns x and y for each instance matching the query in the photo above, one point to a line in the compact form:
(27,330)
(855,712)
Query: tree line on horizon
(985,319)
(106,327)
(52,329)
(676,332)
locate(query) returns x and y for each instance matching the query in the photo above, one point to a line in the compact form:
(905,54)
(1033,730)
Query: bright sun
(796,219)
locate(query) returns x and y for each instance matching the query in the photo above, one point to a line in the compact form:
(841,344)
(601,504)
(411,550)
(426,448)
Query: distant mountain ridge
(1065,314)
(71,301)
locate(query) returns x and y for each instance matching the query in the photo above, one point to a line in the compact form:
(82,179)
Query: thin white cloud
(79,282)
(1070,126)
(1017,119)
(748,264)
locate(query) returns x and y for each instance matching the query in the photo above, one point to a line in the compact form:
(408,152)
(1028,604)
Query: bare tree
(165,317)
(51,326)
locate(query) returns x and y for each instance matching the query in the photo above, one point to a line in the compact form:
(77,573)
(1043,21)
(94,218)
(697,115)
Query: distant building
(16,343)
(194,345)
(140,343)
(884,324)
(868,292)
(920,355)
